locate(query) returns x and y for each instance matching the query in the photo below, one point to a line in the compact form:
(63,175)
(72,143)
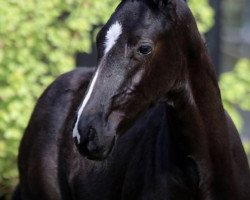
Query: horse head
(143,55)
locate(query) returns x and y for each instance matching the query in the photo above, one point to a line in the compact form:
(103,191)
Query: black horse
(149,124)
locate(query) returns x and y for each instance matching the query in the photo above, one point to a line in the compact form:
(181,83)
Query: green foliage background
(38,41)
(235,88)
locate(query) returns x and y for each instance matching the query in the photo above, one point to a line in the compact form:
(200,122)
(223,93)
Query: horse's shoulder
(38,152)
(62,93)
(74,79)
(69,83)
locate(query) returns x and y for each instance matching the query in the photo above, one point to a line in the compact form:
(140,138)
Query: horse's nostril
(93,139)
(92,134)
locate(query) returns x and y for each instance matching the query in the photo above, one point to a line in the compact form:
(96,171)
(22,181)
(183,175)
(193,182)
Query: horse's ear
(164,2)
(161,1)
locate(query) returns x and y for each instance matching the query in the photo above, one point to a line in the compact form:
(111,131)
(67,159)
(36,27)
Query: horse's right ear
(164,2)
(161,1)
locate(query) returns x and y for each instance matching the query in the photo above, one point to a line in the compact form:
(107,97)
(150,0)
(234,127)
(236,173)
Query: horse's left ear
(159,2)
(165,2)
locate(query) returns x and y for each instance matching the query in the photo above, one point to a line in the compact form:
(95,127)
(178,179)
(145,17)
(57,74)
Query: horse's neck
(200,108)
(205,100)
(157,151)
(201,101)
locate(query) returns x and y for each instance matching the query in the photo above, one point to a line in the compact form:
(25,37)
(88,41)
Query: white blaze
(85,101)
(111,37)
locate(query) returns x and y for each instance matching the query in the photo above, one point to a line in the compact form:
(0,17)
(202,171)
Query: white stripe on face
(111,37)
(85,101)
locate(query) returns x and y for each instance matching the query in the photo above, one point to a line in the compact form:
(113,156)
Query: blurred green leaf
(236,91)
(203,13)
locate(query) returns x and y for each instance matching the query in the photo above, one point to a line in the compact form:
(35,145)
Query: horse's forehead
(112,35)
(131,16)
(131,19)
(131,11)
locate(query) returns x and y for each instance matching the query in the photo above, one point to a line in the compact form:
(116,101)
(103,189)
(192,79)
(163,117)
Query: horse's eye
(145,49)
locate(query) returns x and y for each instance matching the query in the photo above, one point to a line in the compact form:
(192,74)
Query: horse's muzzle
(95,145)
